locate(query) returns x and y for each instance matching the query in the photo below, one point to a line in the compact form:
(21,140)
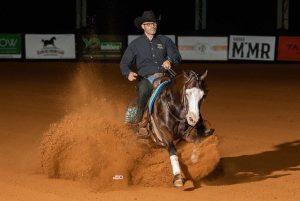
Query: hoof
(188,185)
(178,181)
(209,132)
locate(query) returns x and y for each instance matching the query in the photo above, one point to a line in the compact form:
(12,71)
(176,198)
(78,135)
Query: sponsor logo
(49,48)
(92,42)
(203,48)
(200,47)
(293,47)
(186,47)
(251,50)
(219,48)
(8,43)
(96,44)
(50,52)
(111,46)
(239,39)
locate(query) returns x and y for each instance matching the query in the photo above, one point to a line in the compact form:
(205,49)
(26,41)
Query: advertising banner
(202,48)
(100,46)
(252,47)
(50,46)
(10,46)
(288,48)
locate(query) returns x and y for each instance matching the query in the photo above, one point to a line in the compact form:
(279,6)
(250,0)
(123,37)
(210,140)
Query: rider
(153,55)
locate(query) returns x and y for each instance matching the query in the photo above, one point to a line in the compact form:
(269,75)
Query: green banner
(101,46)
(10,45)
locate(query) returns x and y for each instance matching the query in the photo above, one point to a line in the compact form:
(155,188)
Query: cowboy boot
(144,121)
(143,132)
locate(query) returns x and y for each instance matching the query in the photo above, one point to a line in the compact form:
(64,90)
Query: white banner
(252,47)
(50,46)
(202,48)
(132,37)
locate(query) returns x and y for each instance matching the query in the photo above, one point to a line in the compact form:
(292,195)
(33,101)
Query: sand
(63,137)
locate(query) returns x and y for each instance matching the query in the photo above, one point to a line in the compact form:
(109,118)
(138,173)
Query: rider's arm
(127,62)
(173,54)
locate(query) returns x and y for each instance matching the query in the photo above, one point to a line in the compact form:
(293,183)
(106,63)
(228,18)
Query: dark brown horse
(175,113)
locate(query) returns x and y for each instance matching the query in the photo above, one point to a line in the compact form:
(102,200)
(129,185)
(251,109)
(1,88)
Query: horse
(49,42)
(174,115)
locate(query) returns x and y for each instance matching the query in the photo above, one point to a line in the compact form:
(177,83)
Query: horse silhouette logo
(49,42)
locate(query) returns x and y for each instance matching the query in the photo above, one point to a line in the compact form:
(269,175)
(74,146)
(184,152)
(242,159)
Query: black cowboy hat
(148,16)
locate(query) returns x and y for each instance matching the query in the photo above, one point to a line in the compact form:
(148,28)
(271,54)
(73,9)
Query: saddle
(159,80)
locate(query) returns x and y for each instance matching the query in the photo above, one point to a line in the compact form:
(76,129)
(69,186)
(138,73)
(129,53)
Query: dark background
(116,17)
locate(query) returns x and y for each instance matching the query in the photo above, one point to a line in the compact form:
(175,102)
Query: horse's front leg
(178,180)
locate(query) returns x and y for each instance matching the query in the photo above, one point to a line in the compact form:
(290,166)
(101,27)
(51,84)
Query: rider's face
(149,27)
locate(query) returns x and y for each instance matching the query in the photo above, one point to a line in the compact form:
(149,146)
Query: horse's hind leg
(178,180)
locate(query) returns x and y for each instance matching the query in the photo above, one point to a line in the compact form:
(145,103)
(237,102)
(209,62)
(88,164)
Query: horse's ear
(185,75)
(204,75)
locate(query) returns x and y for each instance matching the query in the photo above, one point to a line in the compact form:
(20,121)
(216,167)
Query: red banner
(289,48)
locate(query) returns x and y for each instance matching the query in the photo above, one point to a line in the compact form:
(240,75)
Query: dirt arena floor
(62,135)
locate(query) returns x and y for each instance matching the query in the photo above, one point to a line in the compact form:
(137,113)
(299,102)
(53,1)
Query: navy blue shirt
(149,55)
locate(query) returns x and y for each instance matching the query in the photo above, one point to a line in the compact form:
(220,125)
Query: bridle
(187,132)
(183,100)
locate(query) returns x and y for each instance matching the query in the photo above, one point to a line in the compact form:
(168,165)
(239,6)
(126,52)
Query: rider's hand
(167,64)
(132,76)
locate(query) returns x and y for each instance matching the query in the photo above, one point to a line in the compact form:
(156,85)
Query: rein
(172,72)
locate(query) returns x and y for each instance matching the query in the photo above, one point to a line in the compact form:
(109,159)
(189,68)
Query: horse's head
(194,92)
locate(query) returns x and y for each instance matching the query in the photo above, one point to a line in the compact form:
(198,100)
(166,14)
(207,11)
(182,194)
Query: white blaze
(193,96)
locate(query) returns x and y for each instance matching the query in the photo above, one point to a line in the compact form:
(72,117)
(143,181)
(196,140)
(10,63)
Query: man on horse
(152,54)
